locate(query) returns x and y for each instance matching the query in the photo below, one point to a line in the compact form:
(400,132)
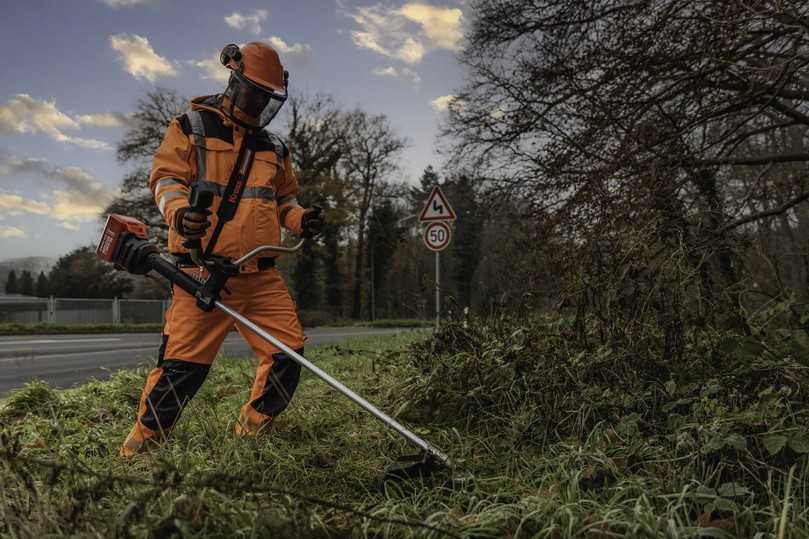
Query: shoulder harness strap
(198,132)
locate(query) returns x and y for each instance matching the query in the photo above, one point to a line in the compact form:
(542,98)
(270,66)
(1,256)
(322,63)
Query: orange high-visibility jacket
(269,199)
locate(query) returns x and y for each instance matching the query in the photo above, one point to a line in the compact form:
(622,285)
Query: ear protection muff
(230,53)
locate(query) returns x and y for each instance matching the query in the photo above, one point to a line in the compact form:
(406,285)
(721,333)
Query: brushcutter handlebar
(199,198)
(264,248)
(124,242)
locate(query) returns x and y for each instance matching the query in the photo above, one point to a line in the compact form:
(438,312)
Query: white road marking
(60,341)
(49,356)
(38,355)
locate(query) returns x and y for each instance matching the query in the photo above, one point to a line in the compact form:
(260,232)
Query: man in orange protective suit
(218,143)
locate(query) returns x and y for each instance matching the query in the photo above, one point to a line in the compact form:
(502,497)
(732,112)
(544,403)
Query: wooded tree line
(369,260)
(628,162)
(79,273)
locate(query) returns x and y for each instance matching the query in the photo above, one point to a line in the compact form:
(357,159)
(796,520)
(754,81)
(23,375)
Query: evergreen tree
(305,278)
(418,195)
(27,288)
(464,253)
(11,283)
(384,235)
(80,273)
(333,276)
(42,288)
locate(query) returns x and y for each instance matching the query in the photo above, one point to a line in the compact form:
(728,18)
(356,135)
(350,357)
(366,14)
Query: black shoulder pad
(268,141)
(185,124)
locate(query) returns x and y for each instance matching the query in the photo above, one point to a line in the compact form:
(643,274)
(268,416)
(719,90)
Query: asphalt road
(66,360)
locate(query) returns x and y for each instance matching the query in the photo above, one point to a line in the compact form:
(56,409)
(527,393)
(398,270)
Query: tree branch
(764,214)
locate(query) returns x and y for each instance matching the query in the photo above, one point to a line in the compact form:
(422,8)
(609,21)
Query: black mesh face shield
(256,102)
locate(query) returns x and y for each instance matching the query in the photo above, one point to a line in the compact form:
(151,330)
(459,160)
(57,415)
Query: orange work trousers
(191,341)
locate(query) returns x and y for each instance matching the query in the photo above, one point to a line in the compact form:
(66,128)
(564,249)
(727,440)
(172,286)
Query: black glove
(192,223)
(312,222)
(133,255)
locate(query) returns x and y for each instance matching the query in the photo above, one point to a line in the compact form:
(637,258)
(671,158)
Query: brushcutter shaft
(336,384)
(124,243)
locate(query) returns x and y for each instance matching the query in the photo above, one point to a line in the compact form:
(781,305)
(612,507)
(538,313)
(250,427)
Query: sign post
(437,236)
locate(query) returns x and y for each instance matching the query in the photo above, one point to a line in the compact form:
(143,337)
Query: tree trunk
(706,182)
(356,305)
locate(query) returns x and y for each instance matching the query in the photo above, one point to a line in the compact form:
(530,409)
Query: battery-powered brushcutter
(125,243)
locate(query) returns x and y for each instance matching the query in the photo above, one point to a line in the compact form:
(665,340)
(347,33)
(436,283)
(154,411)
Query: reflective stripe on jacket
(269,196)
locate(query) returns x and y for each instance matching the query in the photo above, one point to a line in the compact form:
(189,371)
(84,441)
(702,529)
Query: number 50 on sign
(437,236)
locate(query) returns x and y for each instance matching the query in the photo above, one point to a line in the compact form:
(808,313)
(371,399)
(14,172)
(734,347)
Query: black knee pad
(177,385)
(280,385)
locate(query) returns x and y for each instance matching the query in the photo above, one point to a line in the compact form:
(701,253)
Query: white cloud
(71,206)
(442,25)
(398,73)
(409,32)
(442,103)
(11,232)
(212,68)
(104,119)
(297,53)
(26,114)
(125,3)
(79,197)
(249,23)
(15,205)
(70,226)
(139,58)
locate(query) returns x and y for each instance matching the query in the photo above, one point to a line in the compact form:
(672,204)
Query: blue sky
(78,68)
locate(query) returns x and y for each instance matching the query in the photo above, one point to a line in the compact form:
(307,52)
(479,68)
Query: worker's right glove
(192,223)
(312,222)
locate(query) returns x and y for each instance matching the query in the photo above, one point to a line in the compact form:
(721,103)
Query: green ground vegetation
(554,440)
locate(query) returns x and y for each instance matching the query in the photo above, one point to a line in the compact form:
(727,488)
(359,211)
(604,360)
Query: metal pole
(336,384)
(437,289)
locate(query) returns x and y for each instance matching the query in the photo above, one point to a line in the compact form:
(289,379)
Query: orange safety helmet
(258,83)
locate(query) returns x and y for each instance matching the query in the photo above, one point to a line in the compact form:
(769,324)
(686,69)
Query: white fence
(82,311)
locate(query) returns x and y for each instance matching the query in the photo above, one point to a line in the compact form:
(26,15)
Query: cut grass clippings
(319,473)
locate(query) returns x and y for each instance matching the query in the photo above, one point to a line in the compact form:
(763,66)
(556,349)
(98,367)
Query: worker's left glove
(312,222)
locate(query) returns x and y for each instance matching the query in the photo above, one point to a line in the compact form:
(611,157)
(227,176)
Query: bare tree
(624,124)
(318,134)
(374,150)
(149,122)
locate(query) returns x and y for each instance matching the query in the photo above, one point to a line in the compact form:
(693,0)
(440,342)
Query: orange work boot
(138,437)
(252,423)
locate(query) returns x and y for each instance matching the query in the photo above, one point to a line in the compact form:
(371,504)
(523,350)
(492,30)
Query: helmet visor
(255,101)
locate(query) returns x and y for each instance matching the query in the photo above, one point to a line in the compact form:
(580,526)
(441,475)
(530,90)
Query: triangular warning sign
(437,208)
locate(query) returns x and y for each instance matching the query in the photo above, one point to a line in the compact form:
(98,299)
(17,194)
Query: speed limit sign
(437,236)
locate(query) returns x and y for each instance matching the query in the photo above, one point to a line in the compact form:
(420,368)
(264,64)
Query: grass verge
(573,454)
(13,328)
(386,323)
